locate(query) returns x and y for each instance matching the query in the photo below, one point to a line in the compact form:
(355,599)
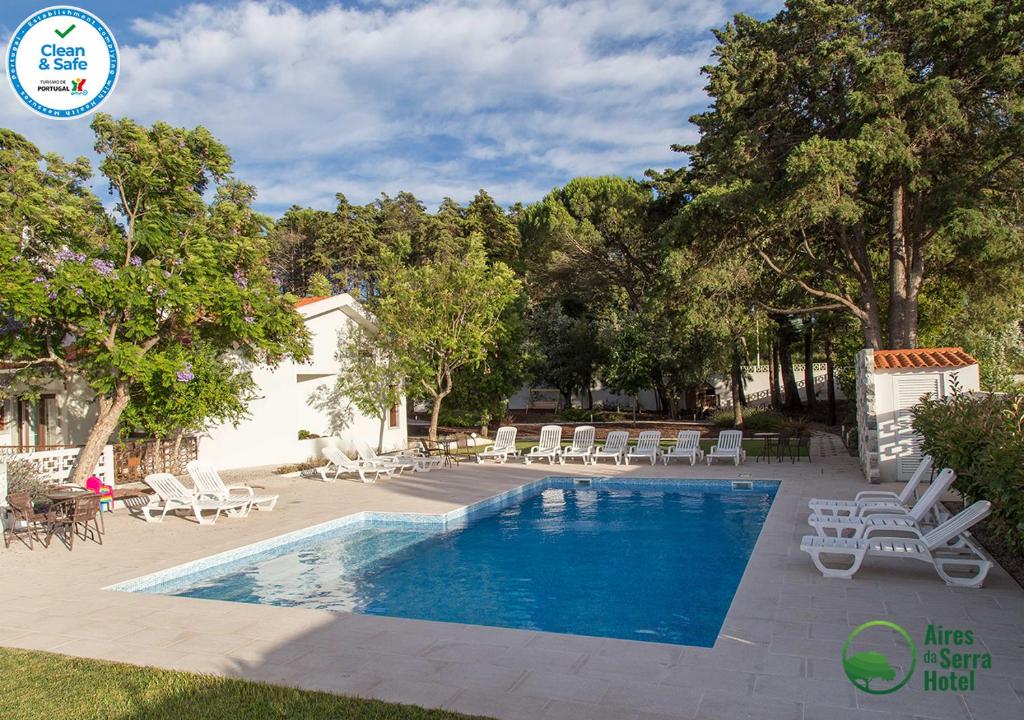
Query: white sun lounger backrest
(936,490)
(730,439)
(648,440)
(583,438)
(339,458)
(550,437)
(616,441)
(687,440)
(204,476)
(368,454)
(168,487)
(505,439)
(924,470)
(958,524)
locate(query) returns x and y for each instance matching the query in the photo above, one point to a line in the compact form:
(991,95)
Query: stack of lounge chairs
(899,525)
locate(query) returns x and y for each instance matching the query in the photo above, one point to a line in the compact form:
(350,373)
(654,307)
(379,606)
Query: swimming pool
(655,560)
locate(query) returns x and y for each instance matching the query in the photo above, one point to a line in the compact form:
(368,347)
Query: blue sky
(440,98)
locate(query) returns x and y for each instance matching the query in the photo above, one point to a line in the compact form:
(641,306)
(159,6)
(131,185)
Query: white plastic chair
(208,482)
(504,446)
(903,498)
(884,514)
(614,447)
(339,464)
(963,564)
(369,456)
(687,447)
(648,446)
(171,496)
(550,445)
(582,445)
(728,447)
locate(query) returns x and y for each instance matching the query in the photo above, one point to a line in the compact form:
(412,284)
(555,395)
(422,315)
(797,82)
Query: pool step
(369,545)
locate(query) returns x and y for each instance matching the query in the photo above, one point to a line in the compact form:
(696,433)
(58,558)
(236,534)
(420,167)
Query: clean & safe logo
(62,62)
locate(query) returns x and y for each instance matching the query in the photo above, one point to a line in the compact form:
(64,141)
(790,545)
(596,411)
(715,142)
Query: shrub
(307,435)
(572,414)
(754,419)
(982,439)
(22,477)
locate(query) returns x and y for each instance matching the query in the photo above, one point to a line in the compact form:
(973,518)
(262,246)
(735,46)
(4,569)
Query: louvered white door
(909,391)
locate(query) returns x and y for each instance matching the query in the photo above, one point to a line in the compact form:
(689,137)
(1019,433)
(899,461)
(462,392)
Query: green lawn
(37,685)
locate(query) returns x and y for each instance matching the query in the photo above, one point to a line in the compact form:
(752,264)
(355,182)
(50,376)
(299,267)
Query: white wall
(756,385)
(898,448)
(287,403)
(75,414)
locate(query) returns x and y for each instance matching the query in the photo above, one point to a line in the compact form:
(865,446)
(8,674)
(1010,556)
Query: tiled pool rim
(442,521)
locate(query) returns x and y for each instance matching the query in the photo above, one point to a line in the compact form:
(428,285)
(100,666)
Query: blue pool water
(645,561)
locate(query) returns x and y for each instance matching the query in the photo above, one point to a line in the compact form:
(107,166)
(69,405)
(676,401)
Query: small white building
(890,384)
(61,418)
(288,404)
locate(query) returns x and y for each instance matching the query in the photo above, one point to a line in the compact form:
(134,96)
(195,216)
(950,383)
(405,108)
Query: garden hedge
(981,437)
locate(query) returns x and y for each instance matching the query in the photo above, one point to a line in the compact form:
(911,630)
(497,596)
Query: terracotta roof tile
(922,358)
(309,300)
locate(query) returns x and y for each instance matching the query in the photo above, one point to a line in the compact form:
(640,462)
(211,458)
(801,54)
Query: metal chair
(23,521)
(75,519)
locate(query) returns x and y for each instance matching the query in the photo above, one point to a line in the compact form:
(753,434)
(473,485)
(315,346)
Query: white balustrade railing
(54,465)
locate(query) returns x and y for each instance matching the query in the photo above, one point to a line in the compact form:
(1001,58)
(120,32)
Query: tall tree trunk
(773,376)
(110,409)
(737,389)
(444,383)
(809,364)
(830,380)
(786,362)
(383,423)
(176,457)
(435,413)
(904,282)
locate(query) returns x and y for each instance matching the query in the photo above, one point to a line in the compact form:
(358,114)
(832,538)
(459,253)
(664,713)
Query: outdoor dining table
(769,445)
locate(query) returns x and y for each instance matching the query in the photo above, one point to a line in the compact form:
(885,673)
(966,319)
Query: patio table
(769,442)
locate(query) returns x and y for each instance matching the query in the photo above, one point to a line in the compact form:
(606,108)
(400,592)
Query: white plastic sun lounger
(171,496)
(504,445)
(728,447)
(582,445)
(687,447)
(550,445)
(208,482)
(963,564)
(648,447)
(614,447)
(883,514)
(904,498)
(339,464)
(369,456)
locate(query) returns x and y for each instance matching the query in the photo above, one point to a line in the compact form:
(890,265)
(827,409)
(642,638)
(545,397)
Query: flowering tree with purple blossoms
(117,299)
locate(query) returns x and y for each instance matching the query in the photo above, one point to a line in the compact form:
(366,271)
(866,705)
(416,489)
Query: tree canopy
(110,299)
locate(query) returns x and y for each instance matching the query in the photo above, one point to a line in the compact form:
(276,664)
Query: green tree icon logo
(863,668)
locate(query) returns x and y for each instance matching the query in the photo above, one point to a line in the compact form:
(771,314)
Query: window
(393,419)
(37,422)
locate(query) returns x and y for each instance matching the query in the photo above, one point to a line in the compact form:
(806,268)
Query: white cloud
(439,98)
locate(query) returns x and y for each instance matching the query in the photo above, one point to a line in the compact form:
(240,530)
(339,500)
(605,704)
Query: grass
(43,685)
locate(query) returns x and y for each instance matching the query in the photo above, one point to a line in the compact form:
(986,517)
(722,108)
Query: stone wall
(867,417)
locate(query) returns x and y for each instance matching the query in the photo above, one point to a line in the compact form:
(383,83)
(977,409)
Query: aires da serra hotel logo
(62,62)
(880,657)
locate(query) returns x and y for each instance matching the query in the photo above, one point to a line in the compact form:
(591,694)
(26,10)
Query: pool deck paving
(777,656)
